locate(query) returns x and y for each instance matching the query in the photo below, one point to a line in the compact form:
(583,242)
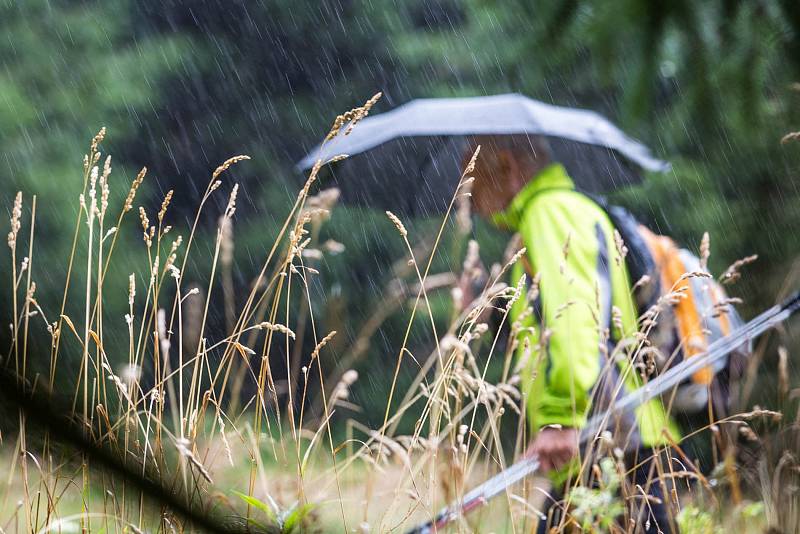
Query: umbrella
(409,159)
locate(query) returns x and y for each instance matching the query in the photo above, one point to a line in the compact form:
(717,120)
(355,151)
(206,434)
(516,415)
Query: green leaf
(255,503)
(295,517)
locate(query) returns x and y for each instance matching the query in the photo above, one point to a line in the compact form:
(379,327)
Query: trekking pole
(660,384)
(480,495)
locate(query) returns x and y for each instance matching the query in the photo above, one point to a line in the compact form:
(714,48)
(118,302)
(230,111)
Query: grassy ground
(282,461)
(366,506)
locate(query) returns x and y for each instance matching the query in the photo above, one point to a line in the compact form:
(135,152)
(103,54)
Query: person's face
(497,179)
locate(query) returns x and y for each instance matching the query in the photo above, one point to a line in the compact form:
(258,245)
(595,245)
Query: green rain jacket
(584,289)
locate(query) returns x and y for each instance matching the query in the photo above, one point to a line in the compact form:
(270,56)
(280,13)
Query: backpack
(687,327)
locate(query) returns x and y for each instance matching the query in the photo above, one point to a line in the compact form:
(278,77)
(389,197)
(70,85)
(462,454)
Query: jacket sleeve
(568,250)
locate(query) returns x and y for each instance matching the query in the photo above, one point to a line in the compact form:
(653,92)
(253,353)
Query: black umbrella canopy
(409,160)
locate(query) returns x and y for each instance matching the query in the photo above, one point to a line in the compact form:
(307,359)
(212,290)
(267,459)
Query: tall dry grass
(164,437)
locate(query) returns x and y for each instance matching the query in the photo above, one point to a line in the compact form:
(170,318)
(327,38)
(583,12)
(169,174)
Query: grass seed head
(147,233)
(97,139)
(398,223)
(733,273)
(321,344)
(342,390)
(131,289)
(230,209)
(164,206)
(16,214)
(227,164)
(515,258)
(132,192)
(352,117)
(622,250)
(470,168)
(266,325)
(104,189)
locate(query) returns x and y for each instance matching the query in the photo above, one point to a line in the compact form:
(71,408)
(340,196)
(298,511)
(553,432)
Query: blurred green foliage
(183,84)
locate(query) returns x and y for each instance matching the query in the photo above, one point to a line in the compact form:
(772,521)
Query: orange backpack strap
(690,327)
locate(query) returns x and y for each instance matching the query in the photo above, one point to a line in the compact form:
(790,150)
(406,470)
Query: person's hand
(554,446)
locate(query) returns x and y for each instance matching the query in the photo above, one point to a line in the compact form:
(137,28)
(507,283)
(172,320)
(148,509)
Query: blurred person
(584,292)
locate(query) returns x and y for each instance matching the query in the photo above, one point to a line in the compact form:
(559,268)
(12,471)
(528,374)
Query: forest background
(183,85)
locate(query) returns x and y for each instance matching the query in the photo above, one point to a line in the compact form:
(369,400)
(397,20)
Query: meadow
(253,429)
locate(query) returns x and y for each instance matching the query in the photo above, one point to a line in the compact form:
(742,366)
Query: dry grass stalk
(16,214)
(515,258)
(397,223)
(352,117)
(464,207)
(470,168)
(97,139)
(266,325)
(321,345)
(230,209)
(164,205)
(622,250)
(447,403)
(227,165)
(732,273)
(341,391)
(134,187)
(184,447)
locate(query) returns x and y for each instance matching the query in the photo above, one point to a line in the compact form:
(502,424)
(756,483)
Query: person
(584,292)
